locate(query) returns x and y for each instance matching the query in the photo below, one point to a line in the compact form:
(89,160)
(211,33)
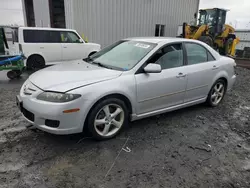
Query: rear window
(41,36)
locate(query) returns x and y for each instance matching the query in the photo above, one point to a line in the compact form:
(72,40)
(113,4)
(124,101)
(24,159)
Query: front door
(72,46)
(157,91)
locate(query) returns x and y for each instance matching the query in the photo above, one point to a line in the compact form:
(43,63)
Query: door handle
(215,67)
(41,47)
(180,75)
(65,47)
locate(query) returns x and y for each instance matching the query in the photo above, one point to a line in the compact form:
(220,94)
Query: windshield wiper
(101,64)
(88,59)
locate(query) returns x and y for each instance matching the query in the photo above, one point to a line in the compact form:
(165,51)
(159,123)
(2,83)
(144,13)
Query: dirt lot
(194,147)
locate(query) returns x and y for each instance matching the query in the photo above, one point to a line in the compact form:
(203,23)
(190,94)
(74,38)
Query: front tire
(107,118)
(216,93)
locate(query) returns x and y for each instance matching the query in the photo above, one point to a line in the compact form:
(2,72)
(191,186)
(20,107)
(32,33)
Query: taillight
(20,48)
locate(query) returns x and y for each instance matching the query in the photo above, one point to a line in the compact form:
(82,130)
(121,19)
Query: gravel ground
(193,147)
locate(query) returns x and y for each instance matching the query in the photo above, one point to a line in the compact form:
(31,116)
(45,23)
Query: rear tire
(216,93)
(11,74)
(18,73)
(107,118)
(35,62)
(207,39)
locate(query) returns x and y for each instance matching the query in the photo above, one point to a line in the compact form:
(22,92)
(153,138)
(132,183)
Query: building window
(159,30)
(29,9)
(57,13)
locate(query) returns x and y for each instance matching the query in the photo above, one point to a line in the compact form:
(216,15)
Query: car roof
(166,40)
(158,40)
(46,28)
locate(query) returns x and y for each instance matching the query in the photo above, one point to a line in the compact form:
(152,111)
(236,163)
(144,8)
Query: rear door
(201,69)
(157,91)
(43,42)
(73,47)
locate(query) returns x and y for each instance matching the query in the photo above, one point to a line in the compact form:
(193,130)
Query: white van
(45,46)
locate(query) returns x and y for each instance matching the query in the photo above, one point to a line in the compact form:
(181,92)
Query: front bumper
(37,112)
(231,82)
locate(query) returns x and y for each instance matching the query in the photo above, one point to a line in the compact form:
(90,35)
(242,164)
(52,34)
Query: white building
(106,21)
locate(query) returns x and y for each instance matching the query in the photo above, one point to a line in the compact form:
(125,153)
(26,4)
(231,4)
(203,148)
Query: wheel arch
(220,77)
(33,55)
(120,96)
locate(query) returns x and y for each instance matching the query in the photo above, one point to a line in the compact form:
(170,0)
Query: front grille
(29,115)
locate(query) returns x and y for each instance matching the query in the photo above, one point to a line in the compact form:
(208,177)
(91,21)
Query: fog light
(52,123)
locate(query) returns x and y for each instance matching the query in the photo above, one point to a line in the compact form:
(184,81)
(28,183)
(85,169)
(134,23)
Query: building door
(159,30)
(57,14)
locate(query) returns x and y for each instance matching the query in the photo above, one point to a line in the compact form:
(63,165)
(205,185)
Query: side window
(196,53)
(53,37)
(210,57)
(29,36)
(69,37)
(41,36)
(169,57)
(74,37)
(34,36)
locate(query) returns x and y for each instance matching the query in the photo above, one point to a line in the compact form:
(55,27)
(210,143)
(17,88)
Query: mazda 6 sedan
(129,80)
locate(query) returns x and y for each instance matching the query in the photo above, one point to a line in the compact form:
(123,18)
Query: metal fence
(243,48)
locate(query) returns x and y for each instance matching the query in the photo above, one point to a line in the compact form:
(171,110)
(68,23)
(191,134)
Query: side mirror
(152,68)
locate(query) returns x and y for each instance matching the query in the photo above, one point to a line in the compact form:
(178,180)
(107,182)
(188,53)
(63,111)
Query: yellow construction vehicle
(212,30)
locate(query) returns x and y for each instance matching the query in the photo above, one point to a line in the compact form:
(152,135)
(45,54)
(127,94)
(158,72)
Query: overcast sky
(239,14)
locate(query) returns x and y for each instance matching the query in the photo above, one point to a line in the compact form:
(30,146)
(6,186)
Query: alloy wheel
(109,120)
(217,93)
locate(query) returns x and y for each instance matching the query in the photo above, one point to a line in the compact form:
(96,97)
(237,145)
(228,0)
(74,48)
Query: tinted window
(69,37)
(196,53)
(169,57)
(41,36)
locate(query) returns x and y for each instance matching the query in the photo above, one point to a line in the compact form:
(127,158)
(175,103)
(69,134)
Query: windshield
(123,55)
(207,17)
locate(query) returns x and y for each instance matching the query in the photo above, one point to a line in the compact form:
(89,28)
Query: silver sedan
(129,80)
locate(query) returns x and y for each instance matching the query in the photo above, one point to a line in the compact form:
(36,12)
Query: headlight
(57,97)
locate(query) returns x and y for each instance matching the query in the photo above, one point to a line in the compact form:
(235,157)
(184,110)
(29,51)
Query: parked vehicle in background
(129,80)
(45,46)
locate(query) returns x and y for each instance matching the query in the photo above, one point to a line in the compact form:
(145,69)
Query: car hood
(70,75)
